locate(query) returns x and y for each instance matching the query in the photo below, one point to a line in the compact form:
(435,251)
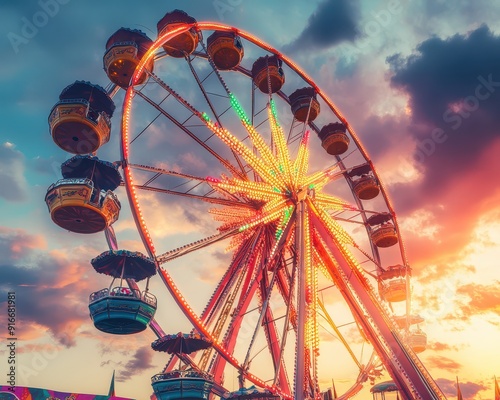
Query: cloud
(452,85)
(333,22)
(140,361)
(446,301)
(443,363)
(51,288)
(442,78)
(12,180)
(382,135)
(432,273)
(469,389)
(469,194)
(480,298)
(436,15)
(42,306)
(438,346)
(17,243)
(49,166)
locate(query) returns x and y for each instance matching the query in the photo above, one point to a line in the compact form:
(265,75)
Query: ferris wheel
(222,128)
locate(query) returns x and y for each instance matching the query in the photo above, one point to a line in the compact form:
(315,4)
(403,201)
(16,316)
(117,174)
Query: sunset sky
(418,80)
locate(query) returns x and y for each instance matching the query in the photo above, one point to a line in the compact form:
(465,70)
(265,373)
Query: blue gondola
(385,391)
(182,383)
(188,385)
(121,310)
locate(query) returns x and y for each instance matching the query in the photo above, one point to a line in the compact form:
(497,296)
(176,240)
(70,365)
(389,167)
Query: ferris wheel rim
(201,26)
(125,151)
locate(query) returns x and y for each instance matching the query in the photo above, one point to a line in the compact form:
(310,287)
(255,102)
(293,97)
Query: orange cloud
(480,298)
(456,206)
(443,363)
(430,273)
(438,346)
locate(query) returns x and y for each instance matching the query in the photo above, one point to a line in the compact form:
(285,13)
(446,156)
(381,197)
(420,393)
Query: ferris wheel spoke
(332,324)
(247,292)
(265,289)
(373,260)
(191,182)
(206,198)
(243,265)
(251,286)
(183,127)
(333,173)
(210,104)
(199,244)
(274,346)
(286,290)
(162,171)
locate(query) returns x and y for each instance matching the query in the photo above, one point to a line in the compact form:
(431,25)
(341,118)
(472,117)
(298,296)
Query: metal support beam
(300,360)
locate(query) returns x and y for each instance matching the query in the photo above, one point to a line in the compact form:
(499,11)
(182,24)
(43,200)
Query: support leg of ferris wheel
(301,306)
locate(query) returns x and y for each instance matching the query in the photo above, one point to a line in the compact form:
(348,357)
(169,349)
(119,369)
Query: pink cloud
(140,361)
(469,389)
(17,243)
(51,296)
(442,363)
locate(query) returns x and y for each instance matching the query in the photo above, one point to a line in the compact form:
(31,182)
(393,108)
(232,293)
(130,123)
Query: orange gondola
(334,138)
(305,106)
(183,44)
(267,73)
(80,122)
(225,49)
(124,50)
(383,231)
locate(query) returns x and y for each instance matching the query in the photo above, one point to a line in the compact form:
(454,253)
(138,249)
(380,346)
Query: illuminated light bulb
(213,180)
(244,151)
